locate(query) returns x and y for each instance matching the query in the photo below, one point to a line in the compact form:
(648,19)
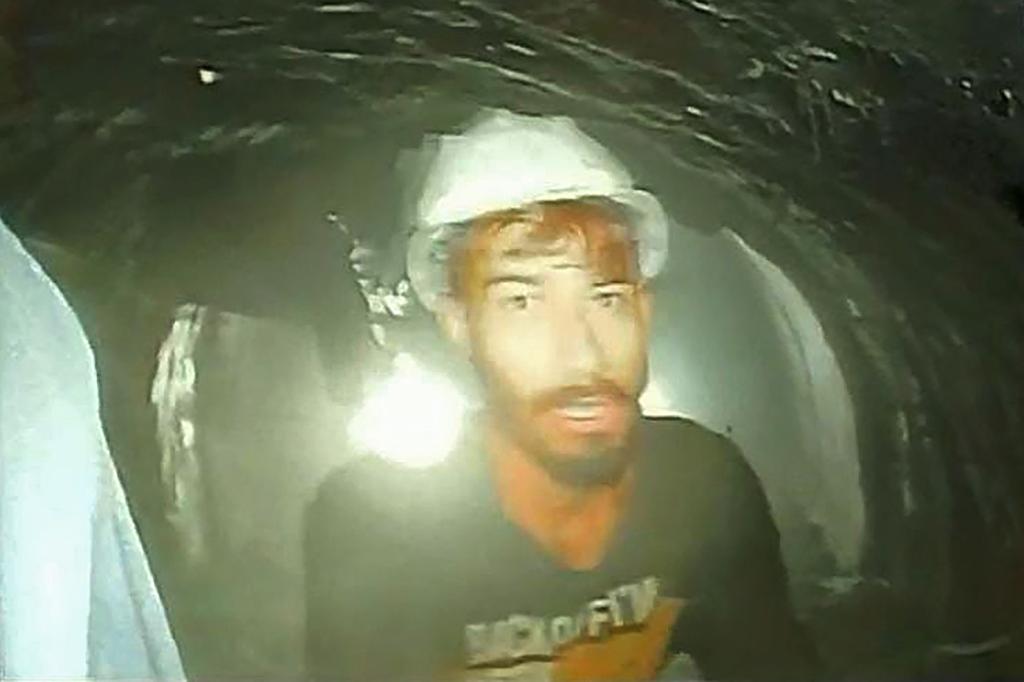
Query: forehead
(559,236)
(516,244)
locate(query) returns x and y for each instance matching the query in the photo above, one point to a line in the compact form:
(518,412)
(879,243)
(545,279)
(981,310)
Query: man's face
(557,329)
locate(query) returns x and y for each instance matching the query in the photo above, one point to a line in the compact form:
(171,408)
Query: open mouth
(585,409)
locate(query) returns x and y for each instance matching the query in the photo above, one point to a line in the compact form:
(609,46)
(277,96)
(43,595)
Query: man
(568,538)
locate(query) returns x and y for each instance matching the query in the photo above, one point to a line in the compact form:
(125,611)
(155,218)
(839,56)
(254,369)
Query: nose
(580,352)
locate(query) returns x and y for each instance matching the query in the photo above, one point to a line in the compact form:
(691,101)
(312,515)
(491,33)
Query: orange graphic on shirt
(632,654)
(625,656)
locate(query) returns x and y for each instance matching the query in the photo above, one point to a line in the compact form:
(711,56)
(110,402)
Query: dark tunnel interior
(213,185)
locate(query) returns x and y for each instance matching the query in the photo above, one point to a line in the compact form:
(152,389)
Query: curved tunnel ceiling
(865,160)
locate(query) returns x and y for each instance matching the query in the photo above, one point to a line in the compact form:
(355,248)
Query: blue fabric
(77,599)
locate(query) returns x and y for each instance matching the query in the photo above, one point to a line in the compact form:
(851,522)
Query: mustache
(558,397)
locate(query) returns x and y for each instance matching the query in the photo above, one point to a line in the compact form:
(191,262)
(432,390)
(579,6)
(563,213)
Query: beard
(599,465)
(580,460)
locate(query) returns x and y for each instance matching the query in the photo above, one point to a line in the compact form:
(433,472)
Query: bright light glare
(412,417)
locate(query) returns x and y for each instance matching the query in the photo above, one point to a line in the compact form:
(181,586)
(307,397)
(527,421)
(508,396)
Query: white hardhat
(505,161)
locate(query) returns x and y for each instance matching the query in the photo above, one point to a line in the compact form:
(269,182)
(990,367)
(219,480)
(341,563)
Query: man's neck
(574,523)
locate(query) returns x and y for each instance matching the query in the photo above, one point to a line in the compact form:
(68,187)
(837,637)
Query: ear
(452,316)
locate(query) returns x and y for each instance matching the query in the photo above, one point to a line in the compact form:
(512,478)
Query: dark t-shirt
(417,574)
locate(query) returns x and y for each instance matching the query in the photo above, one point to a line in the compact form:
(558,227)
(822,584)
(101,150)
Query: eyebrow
(518,253)
(536,281)
(517,279)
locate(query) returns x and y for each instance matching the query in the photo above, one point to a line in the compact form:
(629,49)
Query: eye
(515,301)
(609,298)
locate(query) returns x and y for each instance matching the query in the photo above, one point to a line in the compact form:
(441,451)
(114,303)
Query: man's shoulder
(373,492)
(370,482)
(367,475)
(700,480)
(687,453)
(685,441)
